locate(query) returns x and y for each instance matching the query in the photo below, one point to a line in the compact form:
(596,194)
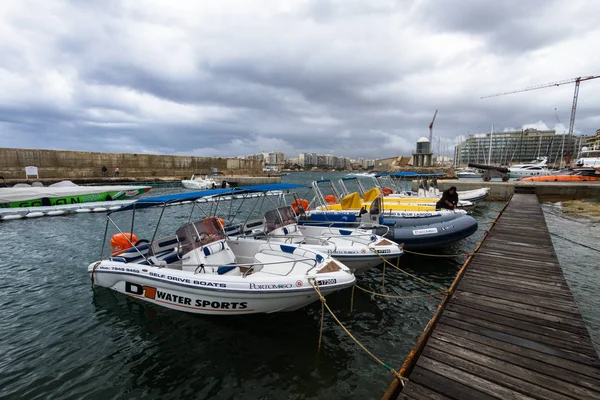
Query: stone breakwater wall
(82,164)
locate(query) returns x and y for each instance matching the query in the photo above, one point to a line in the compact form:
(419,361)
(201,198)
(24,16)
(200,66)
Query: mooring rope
(572,241)
(325,305)
(435,285)
(401,297)
(93,272)
(438,255)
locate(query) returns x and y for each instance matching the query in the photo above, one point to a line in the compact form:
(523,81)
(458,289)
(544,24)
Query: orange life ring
(331,199)
(387,191)
(296,204)
(120,242)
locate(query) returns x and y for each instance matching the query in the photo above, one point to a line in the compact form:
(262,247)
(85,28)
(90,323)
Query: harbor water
(62,339)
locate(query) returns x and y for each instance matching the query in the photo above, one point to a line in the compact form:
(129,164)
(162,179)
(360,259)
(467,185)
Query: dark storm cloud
(350,78)
(510,26)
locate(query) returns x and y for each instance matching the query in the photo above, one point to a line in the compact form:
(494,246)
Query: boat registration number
(426,231)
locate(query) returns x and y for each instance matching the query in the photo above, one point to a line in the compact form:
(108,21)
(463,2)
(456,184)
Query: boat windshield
(278,218)
(199,233)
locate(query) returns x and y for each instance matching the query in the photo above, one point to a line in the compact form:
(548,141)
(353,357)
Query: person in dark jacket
(449,199)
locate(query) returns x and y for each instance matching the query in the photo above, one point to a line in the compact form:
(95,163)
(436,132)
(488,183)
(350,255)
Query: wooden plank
(547,386)
(448,386)
(468,378)
(518,313)
(418,392)
(523,342)
(520,358)
(542,270)
(532,301)
(516,286)
(497,255)
(541,340)
(539,250)
(511,282)
(509,271)
(489,277)
(526,326)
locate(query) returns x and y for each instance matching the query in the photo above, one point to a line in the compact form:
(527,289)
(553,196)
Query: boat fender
(387,191)
(119,242)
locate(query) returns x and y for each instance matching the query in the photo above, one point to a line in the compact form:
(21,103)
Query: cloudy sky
(348,77)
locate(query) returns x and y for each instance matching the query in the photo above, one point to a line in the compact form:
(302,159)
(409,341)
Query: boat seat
(213,248)
(167,243)
(290,229)
(222,270)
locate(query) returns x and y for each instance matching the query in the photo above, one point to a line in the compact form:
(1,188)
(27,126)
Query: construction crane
(431,127)
(575,95)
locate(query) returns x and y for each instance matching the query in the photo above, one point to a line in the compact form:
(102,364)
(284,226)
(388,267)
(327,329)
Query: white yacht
(538,167)
(199,183)
(467,173)
(588,158)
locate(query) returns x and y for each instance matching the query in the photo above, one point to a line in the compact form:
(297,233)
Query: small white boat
(467,173)
(536,168)
(199,183)
(197,270)
(357,249)
(588,158)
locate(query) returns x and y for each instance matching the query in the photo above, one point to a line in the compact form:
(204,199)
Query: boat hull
(433,234)
(53,198)
(215,294)
(426,231)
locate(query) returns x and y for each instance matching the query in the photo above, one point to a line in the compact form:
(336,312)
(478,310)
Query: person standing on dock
(449,199)
(104,170)
(117,171)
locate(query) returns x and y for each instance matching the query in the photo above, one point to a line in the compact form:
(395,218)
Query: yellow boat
(353,201)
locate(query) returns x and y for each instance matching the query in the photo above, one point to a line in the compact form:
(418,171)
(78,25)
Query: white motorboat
(65,192)
(200,183)
(197,270)
(537,167)
(357,249)
(467,173)
(588,158)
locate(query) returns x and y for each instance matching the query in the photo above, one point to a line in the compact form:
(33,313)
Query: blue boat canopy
(271,186)
(176,198)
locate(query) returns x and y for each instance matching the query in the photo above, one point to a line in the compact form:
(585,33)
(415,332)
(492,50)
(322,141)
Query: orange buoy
(331,199)
(300,203)
(387,191)
(120,242)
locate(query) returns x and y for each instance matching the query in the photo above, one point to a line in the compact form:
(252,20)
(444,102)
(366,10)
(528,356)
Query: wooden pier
(510,329)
